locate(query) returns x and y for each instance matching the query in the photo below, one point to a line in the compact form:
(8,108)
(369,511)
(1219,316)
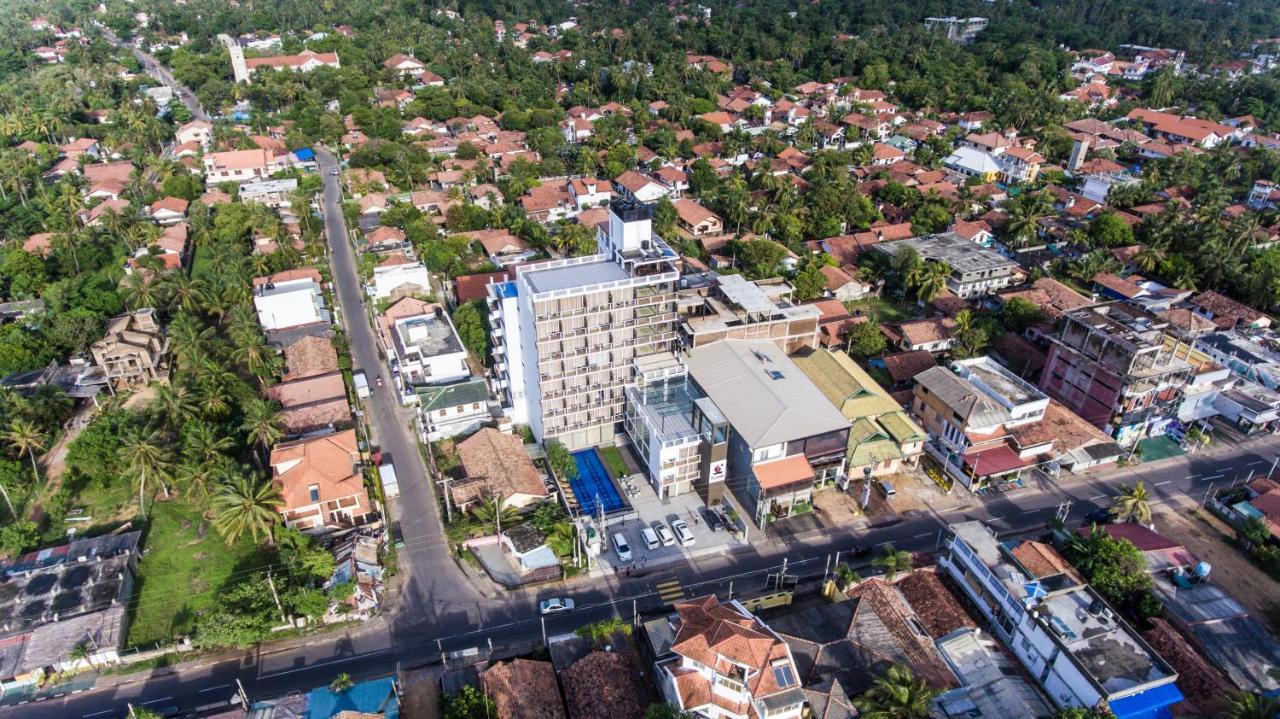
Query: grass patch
(880,309)
(183,571)
(612,457)
(202,261)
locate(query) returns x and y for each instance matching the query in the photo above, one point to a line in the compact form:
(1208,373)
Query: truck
(390,484)
(362,384)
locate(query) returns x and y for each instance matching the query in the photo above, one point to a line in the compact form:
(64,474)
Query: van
(650,538)
(887,487)
(362,384)
(621,548)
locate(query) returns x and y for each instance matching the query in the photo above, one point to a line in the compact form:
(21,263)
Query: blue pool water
(593,483)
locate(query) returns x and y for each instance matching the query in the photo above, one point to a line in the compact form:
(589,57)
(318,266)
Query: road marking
(98,714)
(1033,511)
(214,689)
(922,534)
(1212,478)
(1100,496)
(340,660)
(155,701)
(1158,484)
(669,591)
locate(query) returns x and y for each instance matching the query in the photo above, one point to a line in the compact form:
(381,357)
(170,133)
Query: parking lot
(651,511)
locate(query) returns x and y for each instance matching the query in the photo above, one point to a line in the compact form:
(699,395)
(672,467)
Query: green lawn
(880,309)
(612,457)
(182,572)
(200,263)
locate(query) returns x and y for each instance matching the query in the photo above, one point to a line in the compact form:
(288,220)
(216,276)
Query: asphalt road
(161,73)
(440,610)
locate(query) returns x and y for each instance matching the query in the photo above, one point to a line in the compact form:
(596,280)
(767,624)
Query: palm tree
(203,443)
(494,511)
(174,403)
(893,561)
(24,436)
(1248,705)
(341,683)
(262,423)
(198,477)
(247,506)
(146,455)
(898,694)
(928,279)
(1132,505)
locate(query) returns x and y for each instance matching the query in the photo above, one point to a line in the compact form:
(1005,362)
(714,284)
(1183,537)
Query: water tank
(1202,570)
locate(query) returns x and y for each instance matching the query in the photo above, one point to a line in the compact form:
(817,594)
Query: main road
(161,73)
(438,608)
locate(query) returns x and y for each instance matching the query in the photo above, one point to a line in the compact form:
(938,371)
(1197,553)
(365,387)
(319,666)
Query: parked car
(555,605)
(621,548)
(665,534)
(1101,515)
(682,532)
(887,487)
(713,520)
(650,538)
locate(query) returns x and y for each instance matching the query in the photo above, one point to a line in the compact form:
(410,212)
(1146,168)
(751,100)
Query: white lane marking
(154,701)
(214,689)
(1212,478)
(1100,496)
(1158,484)
(922,534)
(98,714)
(325,664)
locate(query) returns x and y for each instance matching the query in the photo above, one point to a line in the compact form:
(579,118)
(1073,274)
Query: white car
(665,535)
(555,605)
(650,538)
(334,171)
(682,532)
(621,547)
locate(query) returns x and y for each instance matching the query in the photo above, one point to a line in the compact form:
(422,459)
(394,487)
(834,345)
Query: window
(475,405)
(314,492)
(783,675)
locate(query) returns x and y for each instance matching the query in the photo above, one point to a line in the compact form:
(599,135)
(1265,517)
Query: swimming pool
(593,483)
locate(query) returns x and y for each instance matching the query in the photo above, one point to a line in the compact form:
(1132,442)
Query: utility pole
(271,582)
(635,612)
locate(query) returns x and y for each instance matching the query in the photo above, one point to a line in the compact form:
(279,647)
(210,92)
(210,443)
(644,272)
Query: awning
(1153,703)
(784,473)
(997,460)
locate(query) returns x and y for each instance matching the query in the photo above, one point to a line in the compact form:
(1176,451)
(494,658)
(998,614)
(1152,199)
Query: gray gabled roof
(971,403)
(762,393)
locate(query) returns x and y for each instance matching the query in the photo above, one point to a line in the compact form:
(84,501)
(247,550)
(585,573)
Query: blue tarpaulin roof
(1154,703)
(306,154)
(371,697)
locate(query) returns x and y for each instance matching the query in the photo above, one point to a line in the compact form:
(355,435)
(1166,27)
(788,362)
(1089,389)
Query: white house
(425,349)
(289,299)
(242,165)
(198,131)
(640,187)
(398,273)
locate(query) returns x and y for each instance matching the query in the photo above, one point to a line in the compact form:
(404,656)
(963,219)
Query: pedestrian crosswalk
(670,591)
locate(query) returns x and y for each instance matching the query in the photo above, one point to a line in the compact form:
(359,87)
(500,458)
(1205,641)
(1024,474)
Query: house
(783,436)
(975,270)
(602,685)
(697,220)
(732,307)
(934,334)
(40,243)
(972,162)
(1051,297)
(1067,440)
(523,689)
(405,65)
(311,403)
(309,356)
(197,131)
(168,210)
(242,165)
(398,275)
(501,247)
(1179,130)
(841,285)
(728,664)
(133,348)
(1227,313)
(449,410)
(496,465)
(1081,652)
(640,187)
(1019,164)
(423,345)
(306,61)
(882,437)
(904,366)
(320,483)
(970,410)
(1108,364)
(289,299)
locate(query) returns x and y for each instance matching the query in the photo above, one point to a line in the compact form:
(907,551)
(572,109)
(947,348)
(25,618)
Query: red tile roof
(523,689)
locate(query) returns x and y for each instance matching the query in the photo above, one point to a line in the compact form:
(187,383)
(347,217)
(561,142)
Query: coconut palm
(146,454)
(175,403)
(893,561)
(928,279)
(261,422)
(897,694)
(494,511)
(25,437)
(199,478)
(82,652)
(1132,505)
(245,505)
(203,443)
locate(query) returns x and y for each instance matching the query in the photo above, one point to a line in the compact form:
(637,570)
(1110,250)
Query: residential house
(1108,363)
(311,403)
(197,131)
(882,437)
(603,685)
(168,210)
(289,299)
(934,334)
(841,285)
(696,220)
(729,664)
(975,270)
(306,61)
(320,483)
(309,356)
(639,187)
(449,410)
(523,689)
(1226,312)
(496,464)
(133,348)
(501,247)
(242,165)
(397,275)
(1081,652)
(404,65)
(423,345)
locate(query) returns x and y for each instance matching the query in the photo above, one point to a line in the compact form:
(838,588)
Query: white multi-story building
(426,350)
(566,333)
(1079,650)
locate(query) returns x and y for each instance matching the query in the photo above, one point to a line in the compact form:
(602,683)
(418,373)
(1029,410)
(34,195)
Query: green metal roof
(901,427)
(435,397)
